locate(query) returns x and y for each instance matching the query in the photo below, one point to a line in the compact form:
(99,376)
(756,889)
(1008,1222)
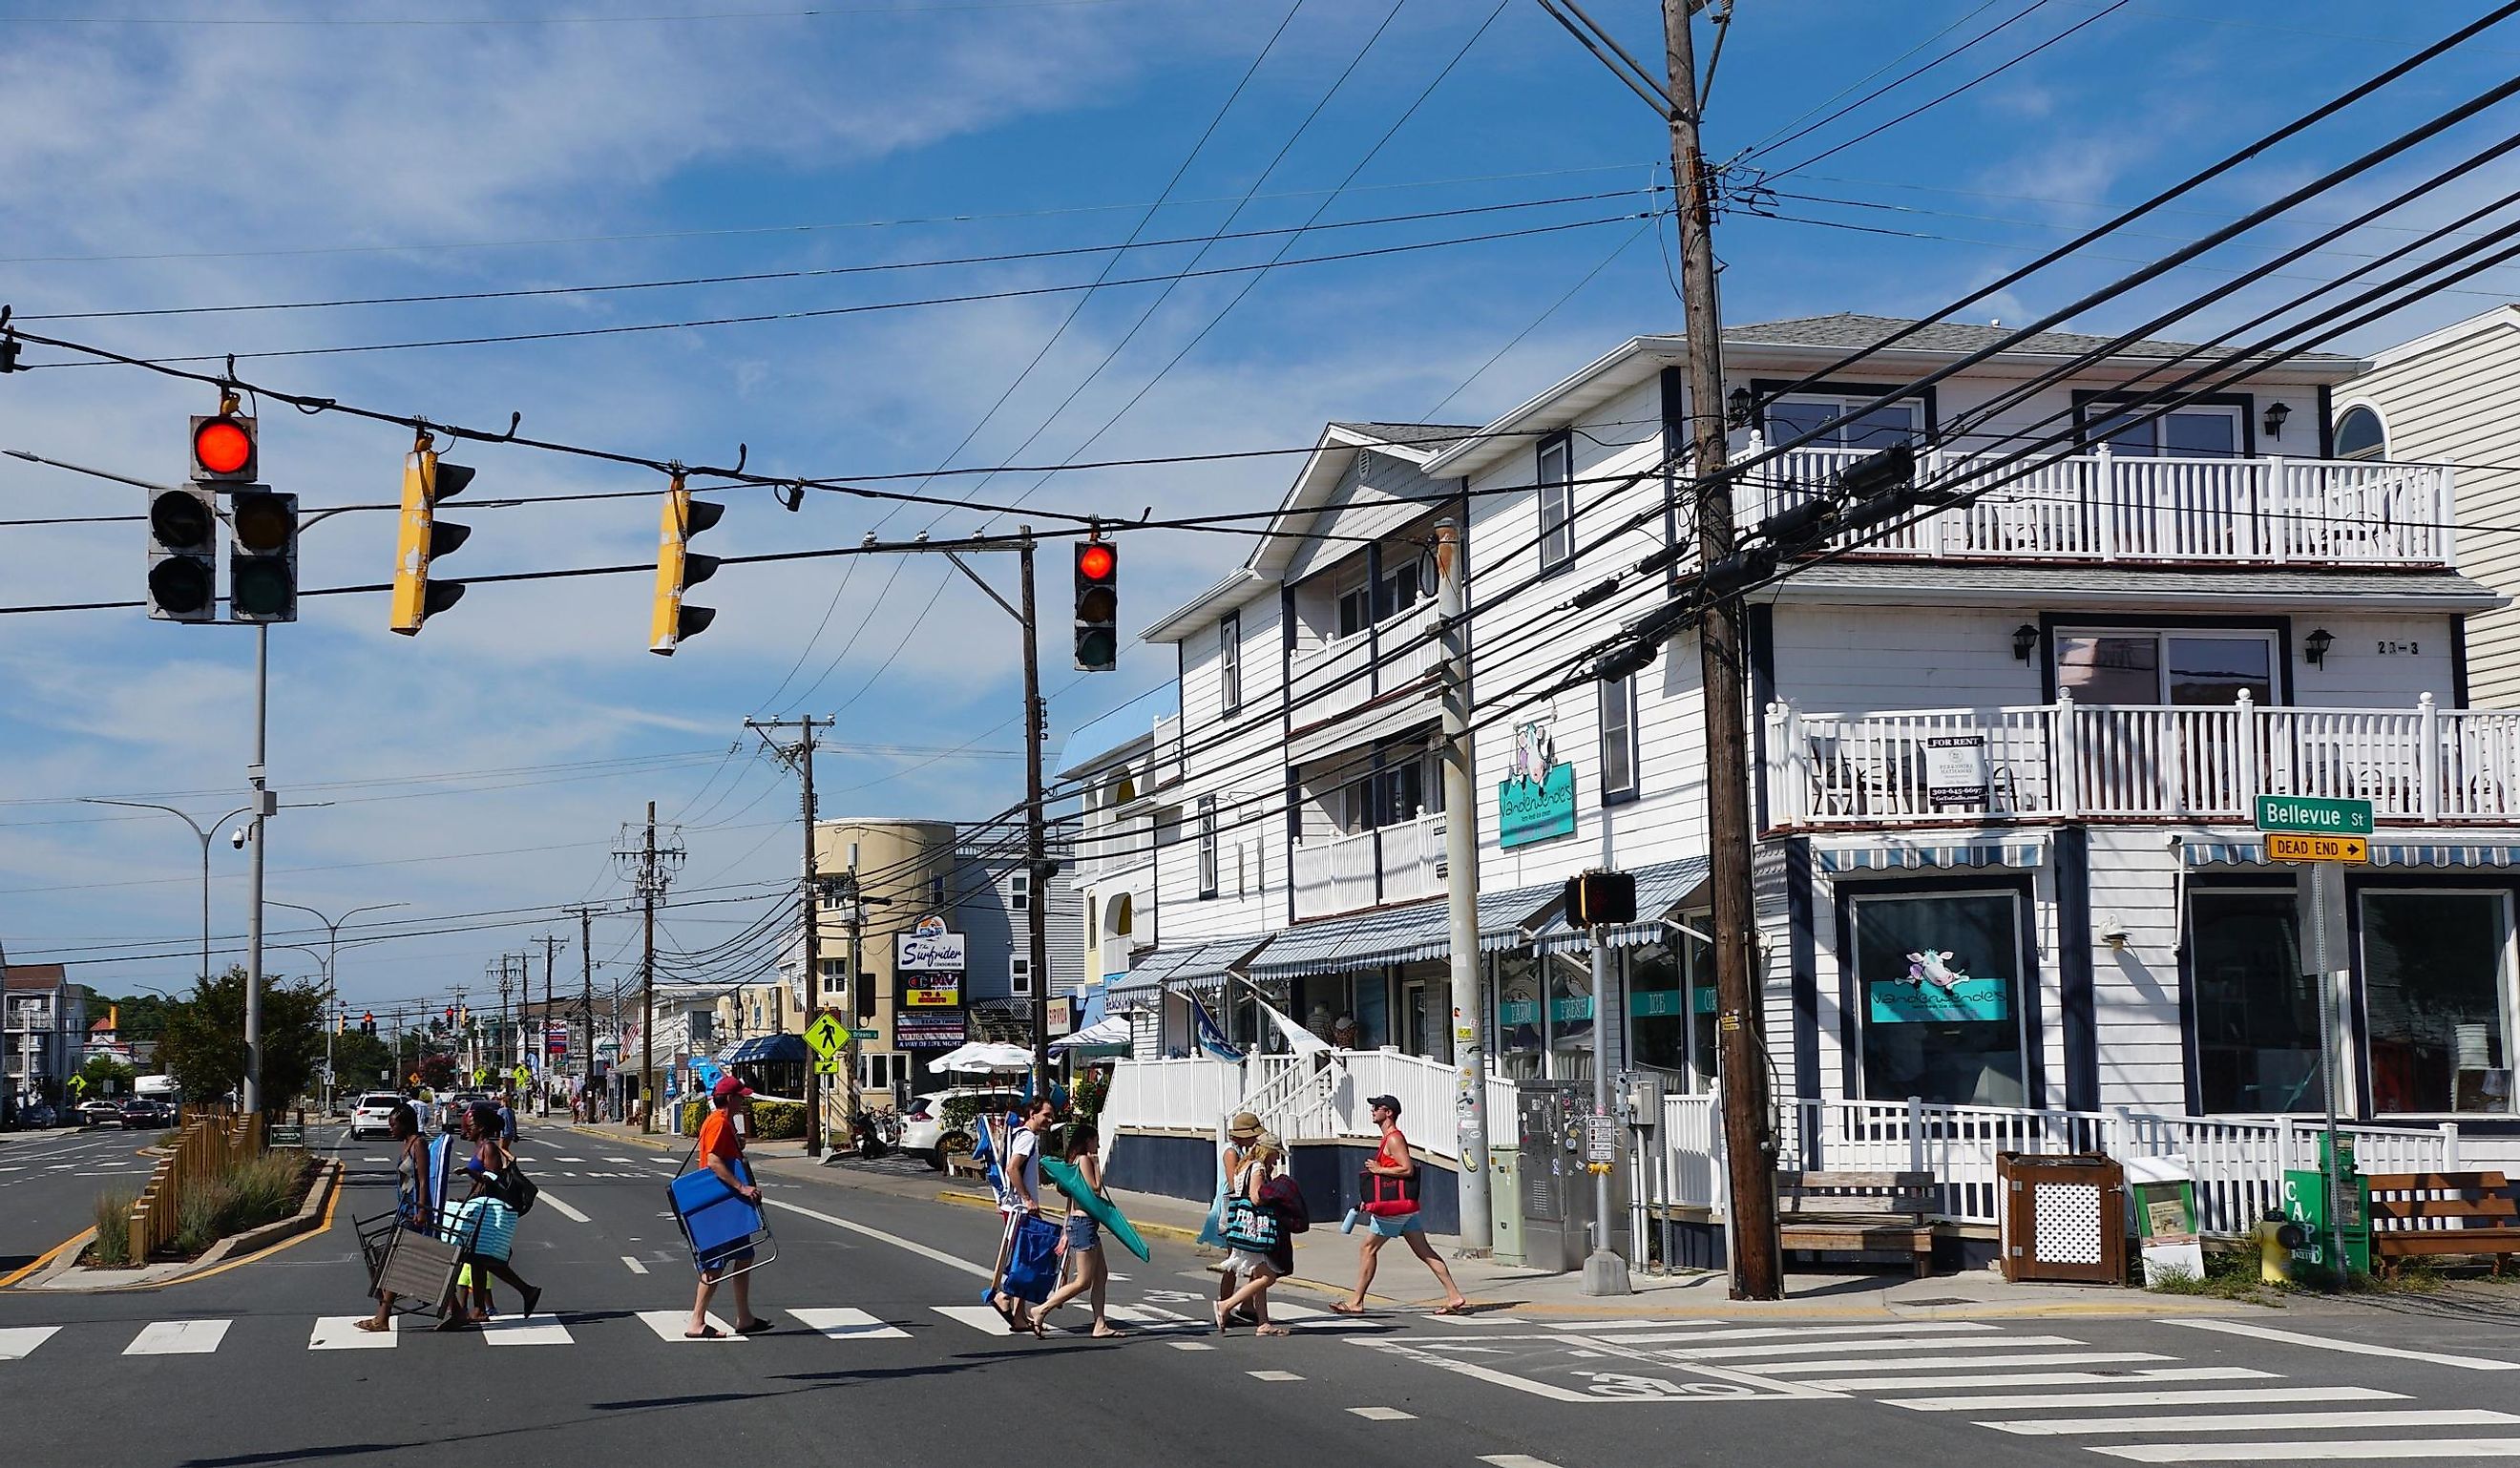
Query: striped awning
(2383,853)
(1194,963)
(1661,888)
(1903,855)
(1401,935)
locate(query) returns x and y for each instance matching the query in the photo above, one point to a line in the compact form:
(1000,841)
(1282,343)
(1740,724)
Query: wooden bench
(1877,1217)
(2442,1213)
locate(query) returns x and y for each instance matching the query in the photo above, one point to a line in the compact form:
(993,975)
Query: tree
(203,1043)
(143,1015)
(359,1059)
(437,1070)
(106,1076)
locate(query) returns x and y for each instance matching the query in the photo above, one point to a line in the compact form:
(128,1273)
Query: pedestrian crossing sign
(827,1066)
(825,1035)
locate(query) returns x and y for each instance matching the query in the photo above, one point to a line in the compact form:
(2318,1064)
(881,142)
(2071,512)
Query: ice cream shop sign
(1536,800)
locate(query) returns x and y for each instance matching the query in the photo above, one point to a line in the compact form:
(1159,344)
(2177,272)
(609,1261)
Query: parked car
(928,1135)
(372,1116)
(139,1112)
(100,1112)
(35,1116)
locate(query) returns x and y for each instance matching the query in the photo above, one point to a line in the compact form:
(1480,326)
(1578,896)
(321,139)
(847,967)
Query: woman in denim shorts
(1084,1241)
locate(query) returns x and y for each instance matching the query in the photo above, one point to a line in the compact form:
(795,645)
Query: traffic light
(1601,897)
(669,621)
(368,1023)
(183,539)
(223,447)
(425,480)
(1098,605)
(262,555)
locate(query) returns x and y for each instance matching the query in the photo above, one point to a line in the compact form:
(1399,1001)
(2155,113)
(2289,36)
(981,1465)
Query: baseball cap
(728,1086)
(1388,1103)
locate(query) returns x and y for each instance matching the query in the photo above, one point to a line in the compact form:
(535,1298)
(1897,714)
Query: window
(2196,432)
(836,975)
(2437,1000)
(1556,503)
(1789,419)
(2360,435)
(1671,1009)
(1207,846)
(1355,610)
(1366,603)
(1939,982)
(2257,1016)
(1019,975)
(1019,891)
(1619,739)
(2184,669)
(877,1072)
(1400,792)
(1229,661)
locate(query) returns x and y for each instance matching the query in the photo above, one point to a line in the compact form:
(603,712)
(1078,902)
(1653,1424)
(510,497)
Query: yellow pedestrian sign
(77,1086)
(824,1036)
(828,1066)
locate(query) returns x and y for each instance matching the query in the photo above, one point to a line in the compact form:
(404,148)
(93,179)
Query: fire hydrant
(2278,1237)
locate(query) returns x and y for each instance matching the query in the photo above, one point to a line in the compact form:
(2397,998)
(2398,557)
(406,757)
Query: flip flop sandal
(705,1333)
(1452,1309)
(754,1326)
(1342,1308)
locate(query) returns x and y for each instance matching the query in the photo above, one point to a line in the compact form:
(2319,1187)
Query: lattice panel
(2068,1229)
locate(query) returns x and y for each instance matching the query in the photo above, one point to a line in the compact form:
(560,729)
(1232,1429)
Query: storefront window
(2257,1014)
(1517,1017)
(1570,1002)
(2436,986)
(1426,1000)
(1660,1018)
(1939,977)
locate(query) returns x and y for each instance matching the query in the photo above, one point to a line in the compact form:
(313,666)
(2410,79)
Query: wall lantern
(2277,412)
(1738,402)
(2315,647)
(2025,641)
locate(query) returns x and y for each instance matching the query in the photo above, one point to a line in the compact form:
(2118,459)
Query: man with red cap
(721,1143)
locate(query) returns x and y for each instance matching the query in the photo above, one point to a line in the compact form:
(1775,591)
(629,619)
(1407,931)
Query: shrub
(112,1249)
(256,1191)
(201,1216)
(778,1121)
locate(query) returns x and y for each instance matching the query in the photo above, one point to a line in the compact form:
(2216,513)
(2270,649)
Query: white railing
(2108,506)
(1164,760)
(1300,1101)
(1326,679)
(1167,1095)
(1397,863)
(2068,760)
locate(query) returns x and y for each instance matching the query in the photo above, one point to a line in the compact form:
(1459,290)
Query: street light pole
(204,837)
(333,954)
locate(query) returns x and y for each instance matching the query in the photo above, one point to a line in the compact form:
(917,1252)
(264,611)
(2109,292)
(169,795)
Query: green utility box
(2305,1202)
(1505,1205)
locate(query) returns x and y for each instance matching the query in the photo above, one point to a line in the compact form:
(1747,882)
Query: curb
(313,1214)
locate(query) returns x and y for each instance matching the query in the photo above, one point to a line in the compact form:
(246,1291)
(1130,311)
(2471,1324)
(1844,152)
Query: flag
(1210,1037)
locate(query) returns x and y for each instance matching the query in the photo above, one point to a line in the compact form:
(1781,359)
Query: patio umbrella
(983,1057)
(1107,1032)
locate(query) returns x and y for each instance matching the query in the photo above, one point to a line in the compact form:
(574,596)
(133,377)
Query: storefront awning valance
(1906,856)
(765,1049)
(2389,854)
(1660,888)
(1190,963)
(1400,935)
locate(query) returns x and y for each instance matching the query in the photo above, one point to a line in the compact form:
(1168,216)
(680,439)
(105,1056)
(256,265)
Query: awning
(1909,856)
(1190,963)
(1401,935)
(763,1049)
(1660,888)
(1102,1034)
(2392,854)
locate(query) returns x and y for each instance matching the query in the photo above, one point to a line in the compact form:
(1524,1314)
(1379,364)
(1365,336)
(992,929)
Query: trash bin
(2164,1192)
(2063,1217)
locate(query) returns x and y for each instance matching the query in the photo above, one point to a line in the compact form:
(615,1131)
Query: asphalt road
(49,1181)
(883,1353)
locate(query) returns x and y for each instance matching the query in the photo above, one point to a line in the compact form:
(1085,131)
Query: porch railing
(1299,1100)
(1396,863)
(1326,679)
(2069,760)
(2108,506)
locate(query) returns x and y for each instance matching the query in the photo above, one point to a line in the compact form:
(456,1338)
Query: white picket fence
(1299,1098)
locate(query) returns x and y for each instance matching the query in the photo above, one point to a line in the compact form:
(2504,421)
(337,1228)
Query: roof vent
(1995,321)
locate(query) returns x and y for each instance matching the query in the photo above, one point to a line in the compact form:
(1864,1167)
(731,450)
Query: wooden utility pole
(647,978)
(541,1037)
(586,1007)
(1036,835)
(1750,1213)
(810,921)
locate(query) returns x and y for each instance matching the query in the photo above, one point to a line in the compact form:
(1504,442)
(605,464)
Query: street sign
(827,1067)
(2285,847)
(77,1086)
(825,1035)
(524,1076)
(2314,816)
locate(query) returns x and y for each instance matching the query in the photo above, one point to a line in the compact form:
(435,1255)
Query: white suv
(374,1115)
(924,1133)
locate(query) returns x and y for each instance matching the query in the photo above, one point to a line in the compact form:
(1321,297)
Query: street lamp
(331,955)
(201,833)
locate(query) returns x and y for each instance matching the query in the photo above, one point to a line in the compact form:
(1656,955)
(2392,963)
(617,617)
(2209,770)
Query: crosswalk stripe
(635,1268)
(1150,1316)
(563,1208)
(2355,1348)
(1730,1351)
(1982,1361)
(177,1337)
(2040,1378)
(2253,1422)
(342,1333)
(1596,1327)
(849,1326)
(980,1317)
(1772,1332)
(1382,1415)
(528,1330)
(668,1324)
(2215,1395)
(17,1342)
(2277,1452)
(1313,1317)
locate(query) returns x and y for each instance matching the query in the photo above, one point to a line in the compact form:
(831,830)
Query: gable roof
(34,976)
(1848,328)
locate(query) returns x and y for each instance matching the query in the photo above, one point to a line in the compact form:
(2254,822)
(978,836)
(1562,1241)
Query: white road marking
(1982,1361)
(1596,1327)
(1273,1376)
(2253,1422)
(2040,1378)
(1516,1460)
(635,1268)
(1798,1332)
(2143,1399)
(2296,1451)
(563,1209)
(569,1159)
(980,1317)
(342,1333)
(177,1337)
(848,1325)
(913,1246)
(1382,1415)
(1190,1345)
(631,1160)
(17,1342)
(2355,1348)
(528,1330)
(669,1326)
(1730,1351)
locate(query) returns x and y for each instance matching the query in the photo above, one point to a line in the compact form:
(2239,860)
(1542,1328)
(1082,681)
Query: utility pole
(1462,891)
(541,1041)
(809,919)
(859,1006)
(652,874)
(1036,835)
(586,1006)
(1750,1211)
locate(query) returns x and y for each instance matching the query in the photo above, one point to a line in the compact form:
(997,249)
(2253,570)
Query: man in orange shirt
(721,1143)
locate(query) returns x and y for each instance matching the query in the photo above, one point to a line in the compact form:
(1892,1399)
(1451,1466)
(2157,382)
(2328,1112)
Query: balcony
(2069,761)
(2104,507)
(1329,679)
(1391,864)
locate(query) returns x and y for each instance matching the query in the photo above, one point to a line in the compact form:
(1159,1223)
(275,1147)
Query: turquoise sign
(1897,1002)
(1576,1008)
(1519,1012)
(1653,1003)
(1536,810)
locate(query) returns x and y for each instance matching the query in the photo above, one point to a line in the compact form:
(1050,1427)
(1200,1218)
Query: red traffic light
(223,447)
(1094,561)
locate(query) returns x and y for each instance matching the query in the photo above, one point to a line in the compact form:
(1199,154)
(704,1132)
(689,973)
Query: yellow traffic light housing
(424,538)
(669,621)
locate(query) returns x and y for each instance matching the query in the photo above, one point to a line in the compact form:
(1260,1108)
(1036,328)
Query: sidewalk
(1325,1262)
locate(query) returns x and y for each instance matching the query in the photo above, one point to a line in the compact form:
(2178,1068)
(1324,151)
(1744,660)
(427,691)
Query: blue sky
(154,162)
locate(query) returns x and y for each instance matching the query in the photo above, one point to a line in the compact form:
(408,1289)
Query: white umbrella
(984,1056)
(1112,1031)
